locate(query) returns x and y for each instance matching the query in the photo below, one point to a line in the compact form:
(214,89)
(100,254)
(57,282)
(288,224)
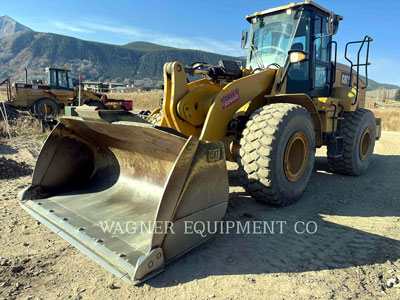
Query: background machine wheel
(46,108)
(155,117)
(277,151)
(359,134)
(96,103)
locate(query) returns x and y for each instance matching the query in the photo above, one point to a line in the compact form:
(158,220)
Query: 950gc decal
(230,98)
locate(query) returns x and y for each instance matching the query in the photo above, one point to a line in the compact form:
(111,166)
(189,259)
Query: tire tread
(345,164)
(258,145)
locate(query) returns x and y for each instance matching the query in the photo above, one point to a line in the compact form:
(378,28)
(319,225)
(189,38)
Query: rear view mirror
(332,24)
(245,35)
(296,56)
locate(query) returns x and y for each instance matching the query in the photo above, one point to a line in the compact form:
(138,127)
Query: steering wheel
(255,70)
(274,65)
(268,67)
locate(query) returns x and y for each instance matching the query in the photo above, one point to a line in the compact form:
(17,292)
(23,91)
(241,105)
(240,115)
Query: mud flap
(120,190)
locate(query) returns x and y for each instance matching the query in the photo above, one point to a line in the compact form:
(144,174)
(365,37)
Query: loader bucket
(121,190)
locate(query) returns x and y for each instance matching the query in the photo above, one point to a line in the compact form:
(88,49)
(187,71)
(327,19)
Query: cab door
(60,85)
(322,58)
(298,76)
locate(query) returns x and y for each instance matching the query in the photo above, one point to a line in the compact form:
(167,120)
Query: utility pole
(80,87)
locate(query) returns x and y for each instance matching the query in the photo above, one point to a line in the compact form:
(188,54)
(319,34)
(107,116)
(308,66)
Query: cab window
(62,79)
(70,84)
(298,77)
(53,78)
(321,57)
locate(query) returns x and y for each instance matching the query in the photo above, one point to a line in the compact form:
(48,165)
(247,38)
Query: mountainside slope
(146,46)
(96,61)
(374,85)
(9,26)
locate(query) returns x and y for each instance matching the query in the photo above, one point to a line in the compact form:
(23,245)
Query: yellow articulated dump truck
(269,117)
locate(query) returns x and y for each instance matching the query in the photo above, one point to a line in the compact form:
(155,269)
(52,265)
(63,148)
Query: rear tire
(276,157)
(96,103)
(359,133)
(46,108)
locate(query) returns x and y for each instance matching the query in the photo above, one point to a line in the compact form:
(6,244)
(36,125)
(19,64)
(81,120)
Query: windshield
(271,38)
(58,78)
(70,84)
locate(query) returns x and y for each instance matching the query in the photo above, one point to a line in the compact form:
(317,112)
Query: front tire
(46,108)
(359,134)
(276,157)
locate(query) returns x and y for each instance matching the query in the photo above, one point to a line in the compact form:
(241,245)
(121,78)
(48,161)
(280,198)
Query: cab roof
(291,5)
(55,68)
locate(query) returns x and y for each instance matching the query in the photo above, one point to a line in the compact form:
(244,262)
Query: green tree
(397,95)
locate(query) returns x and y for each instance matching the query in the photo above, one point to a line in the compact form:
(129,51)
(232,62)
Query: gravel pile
(12,169)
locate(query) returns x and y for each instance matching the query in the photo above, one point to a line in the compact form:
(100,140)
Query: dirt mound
(12,169)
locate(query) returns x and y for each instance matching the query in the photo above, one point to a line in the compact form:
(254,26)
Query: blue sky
(207,25)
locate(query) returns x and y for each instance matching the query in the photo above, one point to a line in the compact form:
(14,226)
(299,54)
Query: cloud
(128,31)
(133,33)
(198,43)
(68,27)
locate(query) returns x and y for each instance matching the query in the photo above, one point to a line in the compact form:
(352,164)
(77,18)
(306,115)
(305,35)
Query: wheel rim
(365,143)
(296,156)
(46,110)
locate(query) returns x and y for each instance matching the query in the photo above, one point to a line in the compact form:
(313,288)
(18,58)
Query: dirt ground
(355,253)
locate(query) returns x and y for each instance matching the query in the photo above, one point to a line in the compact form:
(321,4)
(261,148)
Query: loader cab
(59,79)
(305,28)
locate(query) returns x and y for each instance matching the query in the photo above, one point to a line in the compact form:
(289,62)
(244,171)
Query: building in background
(116,87)
(95,86)
(104,87)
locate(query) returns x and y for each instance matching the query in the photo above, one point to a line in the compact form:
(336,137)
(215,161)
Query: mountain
(146,46)
(138,61)
(9,26)
(96,61)
(373,85)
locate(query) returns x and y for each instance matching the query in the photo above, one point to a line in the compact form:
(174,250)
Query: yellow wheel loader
(113,168)
(45,99)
